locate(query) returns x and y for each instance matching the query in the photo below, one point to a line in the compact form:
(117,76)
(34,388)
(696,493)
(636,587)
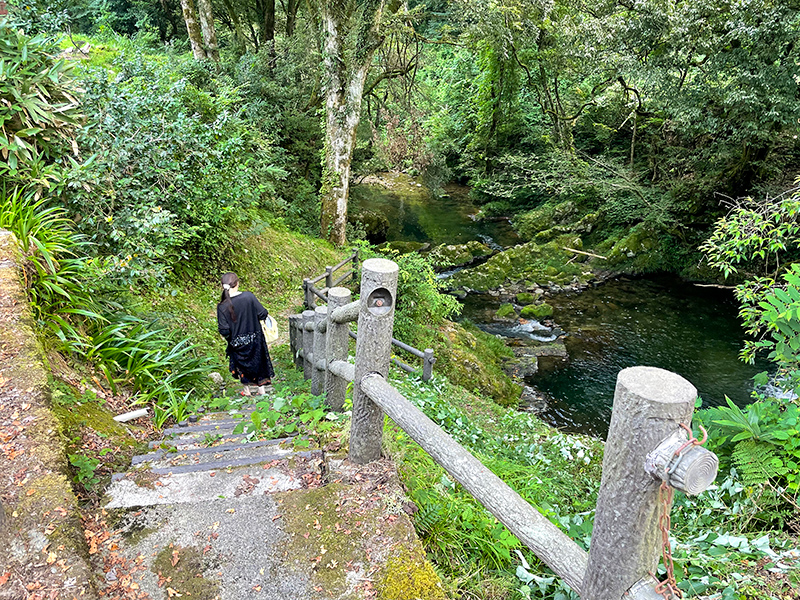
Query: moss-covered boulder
(474,360)
(455,255)
(638,249)
(536,311)
(531,262)
(374,224)
(506,312)
(404,247)
(525,298)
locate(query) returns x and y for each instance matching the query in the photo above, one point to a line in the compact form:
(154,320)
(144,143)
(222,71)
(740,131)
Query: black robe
(248,355)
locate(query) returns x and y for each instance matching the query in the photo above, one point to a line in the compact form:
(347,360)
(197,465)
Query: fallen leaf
(4,577)
(171,593)
(175,558)
(51,558)
(231,510)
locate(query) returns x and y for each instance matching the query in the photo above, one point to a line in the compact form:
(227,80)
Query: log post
(306,326)
(329,277)
(355,263)
(373,351)
(296,322)
(427,364)
(317,374)
(336,345)
(650,404)
(293,337)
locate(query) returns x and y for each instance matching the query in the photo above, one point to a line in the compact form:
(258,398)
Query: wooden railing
(647,444)
(311,293)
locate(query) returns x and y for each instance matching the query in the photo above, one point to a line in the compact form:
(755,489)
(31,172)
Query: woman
(239,316)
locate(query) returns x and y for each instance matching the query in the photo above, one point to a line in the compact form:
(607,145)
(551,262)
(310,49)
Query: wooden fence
(311,293)
(647,455)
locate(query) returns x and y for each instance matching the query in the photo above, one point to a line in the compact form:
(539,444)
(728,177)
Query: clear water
(655,321)
(415,215)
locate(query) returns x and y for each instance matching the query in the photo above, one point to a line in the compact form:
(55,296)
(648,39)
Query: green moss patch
(525,298)
(181,568)
(506,311)
(536,311)
(473,359)
(409,575)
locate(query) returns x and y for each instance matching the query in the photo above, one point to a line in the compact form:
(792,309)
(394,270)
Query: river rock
(532,400)
(525,364)
(447,256)
(405,247)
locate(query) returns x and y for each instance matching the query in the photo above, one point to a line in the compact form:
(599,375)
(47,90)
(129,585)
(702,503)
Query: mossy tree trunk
(206,13)
(193,28)
(346,69)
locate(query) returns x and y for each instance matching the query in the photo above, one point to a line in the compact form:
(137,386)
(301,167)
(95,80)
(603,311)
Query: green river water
(658,321)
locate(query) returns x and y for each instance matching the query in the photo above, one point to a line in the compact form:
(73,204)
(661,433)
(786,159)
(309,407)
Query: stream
(660,321)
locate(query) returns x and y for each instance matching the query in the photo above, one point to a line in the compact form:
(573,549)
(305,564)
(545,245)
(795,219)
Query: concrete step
(233,455)
(169,454)
(147,488)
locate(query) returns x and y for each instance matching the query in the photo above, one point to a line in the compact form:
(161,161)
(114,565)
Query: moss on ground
(473,359)
(183,568)
(409,575)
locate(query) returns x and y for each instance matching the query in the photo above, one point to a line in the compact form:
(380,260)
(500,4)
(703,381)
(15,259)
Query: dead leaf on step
(175,558)
(173,593)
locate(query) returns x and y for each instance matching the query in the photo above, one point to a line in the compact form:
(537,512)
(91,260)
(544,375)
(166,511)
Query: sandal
(245,391)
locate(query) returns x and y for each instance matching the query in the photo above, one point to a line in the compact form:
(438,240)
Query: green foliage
(173,166)
(38,108)
(287,416)
(85,468)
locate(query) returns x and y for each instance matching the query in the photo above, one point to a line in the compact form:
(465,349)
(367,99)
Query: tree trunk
(206,13)
(346,71)
(268,30)
(291,16)
(238,32)
(193,28)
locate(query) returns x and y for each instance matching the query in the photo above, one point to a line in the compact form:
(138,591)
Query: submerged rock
(405,247)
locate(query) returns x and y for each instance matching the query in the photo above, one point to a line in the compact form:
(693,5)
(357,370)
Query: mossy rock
(530,262)
(536,311)
(525,298)
(404,247)
(454,255)
(409,576)
(638,251)
(375,224)
(506,311)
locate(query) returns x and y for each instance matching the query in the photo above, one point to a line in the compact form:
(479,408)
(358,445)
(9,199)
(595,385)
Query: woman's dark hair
(231,280)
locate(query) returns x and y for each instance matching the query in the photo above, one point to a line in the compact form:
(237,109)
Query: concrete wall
(41,537)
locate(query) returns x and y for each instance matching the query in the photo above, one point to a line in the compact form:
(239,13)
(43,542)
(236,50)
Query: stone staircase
(203,459)
(213,515)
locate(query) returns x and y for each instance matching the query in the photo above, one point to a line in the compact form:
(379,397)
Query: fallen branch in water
(716,285)
(584,253)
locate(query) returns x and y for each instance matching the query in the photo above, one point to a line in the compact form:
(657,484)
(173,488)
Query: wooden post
(336,345)
(308,342)
(355,262)
(373,351)
(295,321)
(317,374)
(427,365)
(329,277)
(649,405)
(293,337)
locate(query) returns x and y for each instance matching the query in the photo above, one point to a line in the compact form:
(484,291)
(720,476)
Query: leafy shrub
(38,107)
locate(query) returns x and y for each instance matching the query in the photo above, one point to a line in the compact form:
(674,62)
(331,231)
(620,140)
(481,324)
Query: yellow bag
(270,328)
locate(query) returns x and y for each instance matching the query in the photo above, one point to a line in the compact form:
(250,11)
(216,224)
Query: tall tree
(206,13)
(352,30)
(193,28)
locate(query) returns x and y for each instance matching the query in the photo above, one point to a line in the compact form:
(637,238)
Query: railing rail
(647,444)
(310,292)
